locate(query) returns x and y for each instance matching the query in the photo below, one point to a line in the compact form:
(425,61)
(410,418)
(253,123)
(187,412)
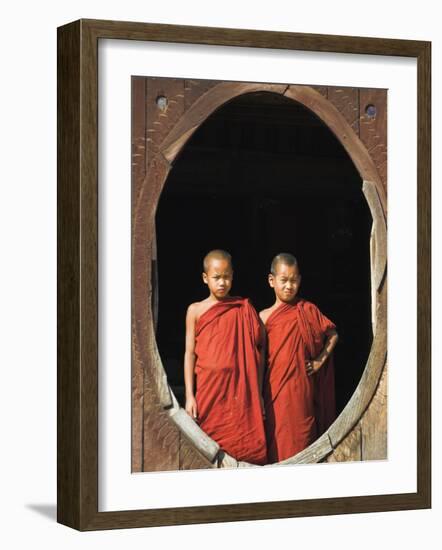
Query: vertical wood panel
(138,174)
(374,424)
(349,449)
(346,100)
(68,275)
(159,122)
(373,133)
(190,458)
(160,435)
(193,89)
(373,130)
(138,135)
(323,90)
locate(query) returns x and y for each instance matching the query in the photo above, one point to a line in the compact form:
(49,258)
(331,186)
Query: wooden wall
(157,443)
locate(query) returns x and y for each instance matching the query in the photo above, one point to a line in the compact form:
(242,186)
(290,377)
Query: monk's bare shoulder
(196,309)
(192,309)
(265,314)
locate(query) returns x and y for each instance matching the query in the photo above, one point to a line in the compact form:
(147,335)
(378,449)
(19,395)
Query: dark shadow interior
(265,175)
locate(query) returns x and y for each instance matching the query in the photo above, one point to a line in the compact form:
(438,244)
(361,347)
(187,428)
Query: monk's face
(285,282)
(219,278)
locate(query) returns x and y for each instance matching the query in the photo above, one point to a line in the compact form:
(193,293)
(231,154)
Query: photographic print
(222,274)
(259,259)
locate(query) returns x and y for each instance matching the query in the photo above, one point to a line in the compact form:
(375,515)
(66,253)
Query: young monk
(299,385)
(224,358)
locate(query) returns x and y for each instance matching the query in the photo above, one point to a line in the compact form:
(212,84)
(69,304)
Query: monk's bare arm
(330,343)
(189,362)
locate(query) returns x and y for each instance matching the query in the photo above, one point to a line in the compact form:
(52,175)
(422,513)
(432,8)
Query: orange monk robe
(299,408)
(226,371)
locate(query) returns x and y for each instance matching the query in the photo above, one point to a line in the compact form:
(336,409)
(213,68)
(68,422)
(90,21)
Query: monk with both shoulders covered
(223,365)
(298,390)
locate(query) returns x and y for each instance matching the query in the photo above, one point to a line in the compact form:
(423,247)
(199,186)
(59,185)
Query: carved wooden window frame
(144,255)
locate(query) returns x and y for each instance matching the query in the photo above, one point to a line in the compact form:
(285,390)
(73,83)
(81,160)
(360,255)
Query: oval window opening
(264,175)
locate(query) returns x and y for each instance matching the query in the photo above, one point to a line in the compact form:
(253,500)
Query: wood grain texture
(194,89)
(190,458)
(139,135)
(373,130)
(323,90)
(161,438)
(138,174)
(346,100)
(256,510)
(88,274)
(160,122)
(68,276)
(188,34)
(379,236)
(374,423)
(194,434)
(316,452)
(77,351)
(424,274)
(350,448)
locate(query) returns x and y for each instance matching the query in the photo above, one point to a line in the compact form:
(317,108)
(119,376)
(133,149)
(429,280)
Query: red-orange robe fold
(226,369)
(299,408)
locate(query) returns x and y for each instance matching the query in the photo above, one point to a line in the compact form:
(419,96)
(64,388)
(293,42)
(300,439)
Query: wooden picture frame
(78,275)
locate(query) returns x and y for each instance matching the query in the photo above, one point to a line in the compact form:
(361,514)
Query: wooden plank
(323,90)
(424,420)
(161,437)
(349,450)
(194,89)
(131,30)
(138,135)
(374,423)
(68,276)
(206,446)
(314,453)
(378,246)
(160,122)
(138,175)
(379,234)
(190,459)
(346,100)
(373,130)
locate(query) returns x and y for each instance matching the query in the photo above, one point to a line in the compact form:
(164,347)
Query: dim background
(28,273)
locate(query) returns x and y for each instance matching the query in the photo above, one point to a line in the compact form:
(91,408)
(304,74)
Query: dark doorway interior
(264,175)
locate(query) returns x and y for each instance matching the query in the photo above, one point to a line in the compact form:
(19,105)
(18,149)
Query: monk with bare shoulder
(223,365)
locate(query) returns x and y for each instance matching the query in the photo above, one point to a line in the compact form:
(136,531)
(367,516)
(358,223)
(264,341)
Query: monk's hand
(312,366)
(191,408)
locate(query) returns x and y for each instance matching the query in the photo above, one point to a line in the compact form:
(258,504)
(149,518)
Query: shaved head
(283,258)
(216,254)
